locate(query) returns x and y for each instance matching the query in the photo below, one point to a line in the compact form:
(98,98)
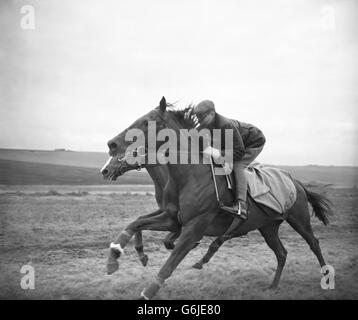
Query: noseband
(138,166)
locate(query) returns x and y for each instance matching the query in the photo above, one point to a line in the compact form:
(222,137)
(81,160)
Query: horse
(192,210)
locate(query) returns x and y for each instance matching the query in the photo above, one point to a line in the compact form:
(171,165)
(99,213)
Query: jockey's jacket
(245,135)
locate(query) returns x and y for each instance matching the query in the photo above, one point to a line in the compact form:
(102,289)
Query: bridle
(138,165)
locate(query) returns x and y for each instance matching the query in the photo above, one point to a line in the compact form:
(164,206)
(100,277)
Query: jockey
(248,142)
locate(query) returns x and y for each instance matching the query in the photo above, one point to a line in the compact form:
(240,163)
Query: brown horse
(191,209)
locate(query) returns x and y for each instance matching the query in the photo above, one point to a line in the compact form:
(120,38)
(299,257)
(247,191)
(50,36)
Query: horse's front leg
(161,222)
(169,240)
(138,245)
(138,239)
(192,232)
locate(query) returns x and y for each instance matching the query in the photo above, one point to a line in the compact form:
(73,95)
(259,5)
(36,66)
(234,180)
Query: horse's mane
(180,115)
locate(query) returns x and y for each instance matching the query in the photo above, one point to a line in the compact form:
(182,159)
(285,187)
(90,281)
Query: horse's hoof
(112,266)
(113,255)
(144,260)
(112,263)
(198,266)
(272,287)
(169,245)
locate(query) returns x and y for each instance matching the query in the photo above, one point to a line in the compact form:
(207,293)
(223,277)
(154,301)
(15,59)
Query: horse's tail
(322,206)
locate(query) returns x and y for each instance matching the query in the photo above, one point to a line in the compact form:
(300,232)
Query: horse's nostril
(104,171)
(112,145)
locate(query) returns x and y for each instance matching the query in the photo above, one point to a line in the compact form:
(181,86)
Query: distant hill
(30,173)
(338,176)
(72,167)
(59,156)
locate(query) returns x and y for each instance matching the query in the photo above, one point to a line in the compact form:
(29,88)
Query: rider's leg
(240,205)
(241,188)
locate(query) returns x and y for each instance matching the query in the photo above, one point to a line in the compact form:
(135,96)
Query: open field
(64,232)
(63,190)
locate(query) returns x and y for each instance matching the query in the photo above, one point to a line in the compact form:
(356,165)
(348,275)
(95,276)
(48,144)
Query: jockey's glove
(212,152)
(227,167)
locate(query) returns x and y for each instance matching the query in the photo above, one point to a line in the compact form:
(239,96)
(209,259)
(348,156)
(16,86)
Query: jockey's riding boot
(238,208)
(234,209)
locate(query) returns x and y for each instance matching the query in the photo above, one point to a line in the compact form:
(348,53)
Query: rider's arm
(238,145)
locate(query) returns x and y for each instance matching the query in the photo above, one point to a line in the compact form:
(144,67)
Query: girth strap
(235,222)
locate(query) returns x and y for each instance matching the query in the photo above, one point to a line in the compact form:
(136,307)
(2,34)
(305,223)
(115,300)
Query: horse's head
(118,165)
(127,155)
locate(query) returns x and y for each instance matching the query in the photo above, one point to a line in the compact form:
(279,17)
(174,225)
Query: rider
(248,142)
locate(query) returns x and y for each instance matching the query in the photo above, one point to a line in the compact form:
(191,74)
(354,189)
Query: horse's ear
(163,104)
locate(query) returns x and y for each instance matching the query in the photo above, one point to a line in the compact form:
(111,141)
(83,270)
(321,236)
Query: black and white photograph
(196,150)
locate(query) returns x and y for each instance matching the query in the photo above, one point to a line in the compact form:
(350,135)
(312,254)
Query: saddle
(271,187)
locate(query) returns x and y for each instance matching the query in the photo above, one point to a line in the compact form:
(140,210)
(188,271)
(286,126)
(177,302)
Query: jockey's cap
(204,106)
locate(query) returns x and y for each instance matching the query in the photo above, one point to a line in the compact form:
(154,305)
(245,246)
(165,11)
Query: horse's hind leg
(270,234)
(214,246)
(299,219)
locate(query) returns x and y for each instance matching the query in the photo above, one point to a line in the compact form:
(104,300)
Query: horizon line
(272,164)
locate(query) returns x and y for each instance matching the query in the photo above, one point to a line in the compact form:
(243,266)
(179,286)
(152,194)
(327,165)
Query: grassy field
(64,234)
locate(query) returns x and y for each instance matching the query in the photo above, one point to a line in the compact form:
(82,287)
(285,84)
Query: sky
(83,71)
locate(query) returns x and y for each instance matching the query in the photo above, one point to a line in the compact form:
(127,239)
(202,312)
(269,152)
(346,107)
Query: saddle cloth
(271,187)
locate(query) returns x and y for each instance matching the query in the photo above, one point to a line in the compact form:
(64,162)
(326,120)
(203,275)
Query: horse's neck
(158,175)
(181,174)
